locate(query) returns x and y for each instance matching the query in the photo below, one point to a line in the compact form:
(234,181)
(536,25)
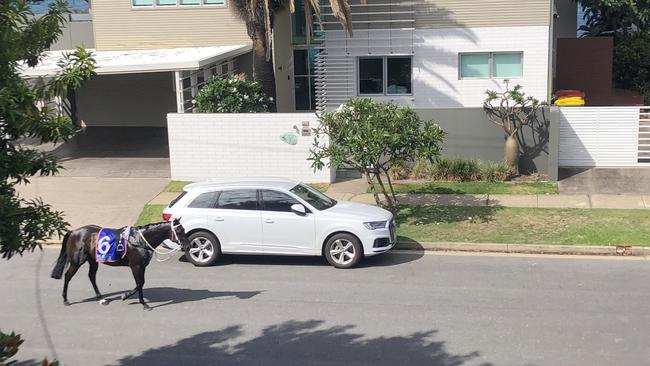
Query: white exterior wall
(206,145)
(436,79)
(599,136)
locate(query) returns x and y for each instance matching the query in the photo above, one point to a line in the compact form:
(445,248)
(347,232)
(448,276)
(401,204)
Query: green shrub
(232,94)
(399,171)
(632,64)
(495,172)
(461,170)
(423,169)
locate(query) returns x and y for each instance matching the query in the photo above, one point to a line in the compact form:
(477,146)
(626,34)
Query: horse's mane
(154,225)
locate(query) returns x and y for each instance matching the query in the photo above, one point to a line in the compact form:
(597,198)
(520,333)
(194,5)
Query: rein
(158,254)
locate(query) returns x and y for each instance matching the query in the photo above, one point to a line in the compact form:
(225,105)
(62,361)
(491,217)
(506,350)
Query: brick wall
(204,146)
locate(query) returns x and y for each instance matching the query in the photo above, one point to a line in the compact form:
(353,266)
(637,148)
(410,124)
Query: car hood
(358,210)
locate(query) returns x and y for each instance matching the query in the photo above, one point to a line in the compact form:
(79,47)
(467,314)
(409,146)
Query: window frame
(490,65)
(309,76)
(178,5)
(384,62)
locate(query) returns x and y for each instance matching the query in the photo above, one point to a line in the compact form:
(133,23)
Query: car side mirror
(298,209)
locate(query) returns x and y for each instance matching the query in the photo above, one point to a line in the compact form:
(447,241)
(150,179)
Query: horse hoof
(146,308)
(103,302)
(66,303)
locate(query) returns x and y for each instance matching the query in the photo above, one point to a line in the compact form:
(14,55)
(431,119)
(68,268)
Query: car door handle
(218,219)
(269,221)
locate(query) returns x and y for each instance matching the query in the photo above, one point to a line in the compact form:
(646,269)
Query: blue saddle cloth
(112,244)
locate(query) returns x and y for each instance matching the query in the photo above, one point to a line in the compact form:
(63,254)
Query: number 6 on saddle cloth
(112,244)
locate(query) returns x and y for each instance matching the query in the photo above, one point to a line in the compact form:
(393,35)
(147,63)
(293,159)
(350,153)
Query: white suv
(278,216)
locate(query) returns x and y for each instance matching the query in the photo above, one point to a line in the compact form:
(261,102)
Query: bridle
(166,255)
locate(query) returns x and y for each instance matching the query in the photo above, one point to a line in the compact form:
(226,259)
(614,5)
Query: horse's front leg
(92,274)
(138,275)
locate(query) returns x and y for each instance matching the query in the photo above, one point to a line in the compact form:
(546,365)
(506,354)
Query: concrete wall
(471,135)
(205,145)
(127,100)
(77,31)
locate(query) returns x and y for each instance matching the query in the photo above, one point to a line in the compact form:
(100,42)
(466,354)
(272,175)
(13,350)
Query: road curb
(507,248)
(526,248)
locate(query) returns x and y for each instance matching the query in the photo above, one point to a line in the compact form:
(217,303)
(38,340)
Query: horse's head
(179,232)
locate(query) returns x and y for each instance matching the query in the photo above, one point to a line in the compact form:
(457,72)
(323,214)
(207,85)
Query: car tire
(203,250)
(343,250)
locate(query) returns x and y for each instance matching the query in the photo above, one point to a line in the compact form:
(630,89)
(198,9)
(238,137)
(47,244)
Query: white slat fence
(604,136)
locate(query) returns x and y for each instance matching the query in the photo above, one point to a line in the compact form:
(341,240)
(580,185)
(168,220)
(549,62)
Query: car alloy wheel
(342,252)
(201,250)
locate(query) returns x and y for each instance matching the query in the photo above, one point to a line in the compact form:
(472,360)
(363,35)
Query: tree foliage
(615,17)
(632,64)
(25,111)
(373,137)
(232,94)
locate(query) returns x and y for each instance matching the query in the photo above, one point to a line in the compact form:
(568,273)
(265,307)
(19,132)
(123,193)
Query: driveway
(604,180)
(109,175)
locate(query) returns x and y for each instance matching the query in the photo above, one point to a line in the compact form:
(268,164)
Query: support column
(178,88)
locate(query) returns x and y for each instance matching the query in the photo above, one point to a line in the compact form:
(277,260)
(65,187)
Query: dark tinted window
(277,201)
(371,75)
(243,199)
(399,75)
(204,200)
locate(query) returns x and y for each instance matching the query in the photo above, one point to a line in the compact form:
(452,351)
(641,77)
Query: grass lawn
(524,225)
(477,188)
(508,225)
(149,214)
(177,186)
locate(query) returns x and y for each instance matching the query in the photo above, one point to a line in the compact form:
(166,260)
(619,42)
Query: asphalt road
(398,309)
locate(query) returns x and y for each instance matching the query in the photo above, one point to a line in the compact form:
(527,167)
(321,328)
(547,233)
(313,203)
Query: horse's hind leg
(92,274)
(68,276)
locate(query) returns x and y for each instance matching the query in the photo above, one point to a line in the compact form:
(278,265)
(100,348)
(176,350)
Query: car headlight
(374,225)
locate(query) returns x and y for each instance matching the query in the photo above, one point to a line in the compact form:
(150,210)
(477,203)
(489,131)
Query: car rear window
(205,200)
(175,200)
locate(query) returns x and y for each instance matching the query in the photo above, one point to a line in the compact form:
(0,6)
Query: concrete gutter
(527,248)
(505,248)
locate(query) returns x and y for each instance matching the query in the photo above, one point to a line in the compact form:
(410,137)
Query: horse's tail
(57,272)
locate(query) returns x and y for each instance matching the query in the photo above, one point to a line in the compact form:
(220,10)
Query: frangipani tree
(373,137)
(511,109)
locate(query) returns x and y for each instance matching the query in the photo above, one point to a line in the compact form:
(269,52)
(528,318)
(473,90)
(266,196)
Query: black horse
(79,246)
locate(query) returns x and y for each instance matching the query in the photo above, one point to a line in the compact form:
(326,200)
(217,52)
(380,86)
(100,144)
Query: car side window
(277,201)
(204,200)
(241,199)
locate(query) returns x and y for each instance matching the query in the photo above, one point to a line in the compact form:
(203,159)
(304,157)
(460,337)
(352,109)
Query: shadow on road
(163,296)
(382,260)
(301,343)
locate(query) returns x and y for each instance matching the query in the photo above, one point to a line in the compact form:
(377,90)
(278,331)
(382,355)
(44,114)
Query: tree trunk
(263,70)
(511,153)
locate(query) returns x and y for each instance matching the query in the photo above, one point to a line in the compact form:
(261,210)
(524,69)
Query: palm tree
(258,17)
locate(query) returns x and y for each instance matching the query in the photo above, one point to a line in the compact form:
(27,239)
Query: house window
(385,75)
(491,65)
(304,76)
(174,3)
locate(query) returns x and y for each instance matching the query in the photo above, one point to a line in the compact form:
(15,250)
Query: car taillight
(167,216)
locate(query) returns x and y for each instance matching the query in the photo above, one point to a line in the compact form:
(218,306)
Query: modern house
(422,53)
(153,55)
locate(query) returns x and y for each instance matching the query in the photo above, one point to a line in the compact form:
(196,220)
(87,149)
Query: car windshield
(313,197)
